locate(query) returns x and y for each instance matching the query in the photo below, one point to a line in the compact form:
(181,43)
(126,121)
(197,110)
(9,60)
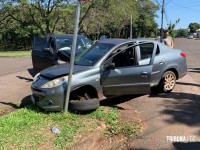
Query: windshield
(90,56)
(65,43)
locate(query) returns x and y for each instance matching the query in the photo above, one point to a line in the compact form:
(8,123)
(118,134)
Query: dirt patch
(101,141)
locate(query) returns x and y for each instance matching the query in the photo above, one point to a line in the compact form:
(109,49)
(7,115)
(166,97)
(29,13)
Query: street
(10,65)
(15,80)
(165,117)
(192,49)
(170,117)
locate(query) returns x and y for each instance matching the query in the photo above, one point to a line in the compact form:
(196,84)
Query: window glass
(158,50)
(90,56)
(39,43)
(146,51)
(65,43)
(125,58)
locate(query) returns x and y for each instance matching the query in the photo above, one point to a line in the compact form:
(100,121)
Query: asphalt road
(171,121)
(192,49)
(15,79)
(163,115)
(10,65)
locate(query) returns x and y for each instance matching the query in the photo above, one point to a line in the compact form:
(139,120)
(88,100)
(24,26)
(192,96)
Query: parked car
(110,67)
(55,49)
(190,36)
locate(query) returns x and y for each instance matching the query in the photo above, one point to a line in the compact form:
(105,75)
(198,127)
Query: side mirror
(47,50)
(110,66)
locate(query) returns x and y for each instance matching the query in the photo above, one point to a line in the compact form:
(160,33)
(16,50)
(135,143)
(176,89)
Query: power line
(157,2)
(190,3)
(168,2)
(185,7)
(166,16)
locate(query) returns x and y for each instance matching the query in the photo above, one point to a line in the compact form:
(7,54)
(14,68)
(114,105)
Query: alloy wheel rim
(169,81)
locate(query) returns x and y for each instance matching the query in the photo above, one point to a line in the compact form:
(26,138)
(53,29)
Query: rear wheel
(168,81)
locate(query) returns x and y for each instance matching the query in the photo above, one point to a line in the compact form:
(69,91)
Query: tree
(21,20)
(43,14)
(171,28)
(193,27)
(27,18)
(182,32)
(145,24)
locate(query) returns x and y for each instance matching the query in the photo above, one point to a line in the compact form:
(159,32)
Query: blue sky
(188,11)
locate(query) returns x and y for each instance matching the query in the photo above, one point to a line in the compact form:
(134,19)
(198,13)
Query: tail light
(183,55)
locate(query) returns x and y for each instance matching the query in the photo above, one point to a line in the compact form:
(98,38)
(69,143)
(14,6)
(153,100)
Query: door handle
(144,74)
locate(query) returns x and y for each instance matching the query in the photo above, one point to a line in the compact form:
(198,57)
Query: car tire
(83,106)
(168,82)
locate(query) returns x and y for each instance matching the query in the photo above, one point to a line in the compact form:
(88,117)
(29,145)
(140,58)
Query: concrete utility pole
(162,12)
(78,7)
(131,27)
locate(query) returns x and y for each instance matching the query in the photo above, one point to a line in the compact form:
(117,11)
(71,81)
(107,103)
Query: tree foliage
(193,27)
(171,28)
(182,32)
(21,20)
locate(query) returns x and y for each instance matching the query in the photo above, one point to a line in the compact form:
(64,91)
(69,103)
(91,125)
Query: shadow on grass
(26,101)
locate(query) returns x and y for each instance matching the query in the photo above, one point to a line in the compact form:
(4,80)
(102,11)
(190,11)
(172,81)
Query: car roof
(121,41)
(65,35)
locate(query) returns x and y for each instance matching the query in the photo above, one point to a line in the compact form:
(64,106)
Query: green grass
(15,54)
(29,129)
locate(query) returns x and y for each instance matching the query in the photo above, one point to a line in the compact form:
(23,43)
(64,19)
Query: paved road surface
(169,117)
(192,49)
(14,64)
(173,115)
(15,80)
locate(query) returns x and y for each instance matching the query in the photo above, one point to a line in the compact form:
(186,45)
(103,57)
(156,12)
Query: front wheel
(83,106)
(168,81)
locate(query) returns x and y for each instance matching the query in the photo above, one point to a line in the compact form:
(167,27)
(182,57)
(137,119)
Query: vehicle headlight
(54,83)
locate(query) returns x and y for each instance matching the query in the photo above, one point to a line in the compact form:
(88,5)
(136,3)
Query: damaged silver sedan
(111,67)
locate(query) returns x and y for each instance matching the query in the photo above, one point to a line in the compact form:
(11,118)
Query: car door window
(125,58)
(146,51)
(157,50)
(39,43)
(64,43)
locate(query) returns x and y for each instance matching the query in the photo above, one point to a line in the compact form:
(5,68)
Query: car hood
(61,70)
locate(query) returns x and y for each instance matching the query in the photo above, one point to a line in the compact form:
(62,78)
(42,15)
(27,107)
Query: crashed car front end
(48,94)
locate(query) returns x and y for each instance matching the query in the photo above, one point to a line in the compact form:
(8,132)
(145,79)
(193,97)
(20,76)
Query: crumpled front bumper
(49,99)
